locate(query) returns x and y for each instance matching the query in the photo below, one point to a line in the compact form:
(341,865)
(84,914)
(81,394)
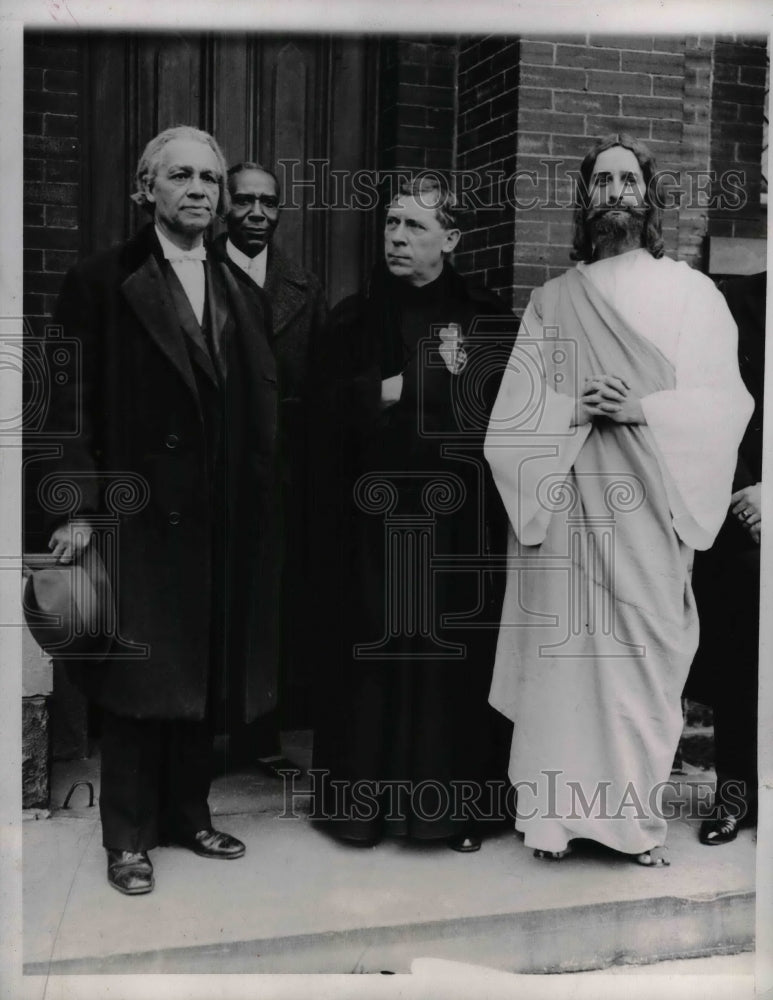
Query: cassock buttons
(171,440)
(174,517)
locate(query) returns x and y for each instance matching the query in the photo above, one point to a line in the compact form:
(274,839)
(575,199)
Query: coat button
(171,440)
(174,517)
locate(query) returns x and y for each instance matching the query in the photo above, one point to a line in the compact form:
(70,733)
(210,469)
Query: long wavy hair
(652,237)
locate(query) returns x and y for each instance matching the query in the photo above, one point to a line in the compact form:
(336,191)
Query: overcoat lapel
(218,308)
(286,287)
(257,355)
(146,292)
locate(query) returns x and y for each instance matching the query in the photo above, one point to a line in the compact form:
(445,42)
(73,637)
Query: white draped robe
(599,624)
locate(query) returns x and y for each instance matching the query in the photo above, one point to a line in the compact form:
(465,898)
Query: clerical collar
(254,266)
(170,250)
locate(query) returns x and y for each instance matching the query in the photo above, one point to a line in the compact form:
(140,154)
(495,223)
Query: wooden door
(304,106)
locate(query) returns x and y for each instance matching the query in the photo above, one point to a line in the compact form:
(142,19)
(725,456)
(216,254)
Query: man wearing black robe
(407,596)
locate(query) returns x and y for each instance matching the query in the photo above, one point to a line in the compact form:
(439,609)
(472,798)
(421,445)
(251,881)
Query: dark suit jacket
(142,417)
(298,336)
(746,299)
(299,313)
(298,321)
(726,578)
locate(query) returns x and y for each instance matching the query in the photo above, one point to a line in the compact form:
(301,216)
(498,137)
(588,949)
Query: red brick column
(52,81)
(531,107)
(487,147)
(695,154)
(738,94)
(572,90)
(417,95)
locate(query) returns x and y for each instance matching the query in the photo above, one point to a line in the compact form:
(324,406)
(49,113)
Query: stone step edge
(560,939)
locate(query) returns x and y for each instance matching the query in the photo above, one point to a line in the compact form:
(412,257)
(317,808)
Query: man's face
(617,179)
(185,190)
(254,211)
(618,206)
(414,240)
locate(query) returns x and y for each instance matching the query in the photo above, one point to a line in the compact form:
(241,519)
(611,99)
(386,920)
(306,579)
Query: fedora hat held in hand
(69,607)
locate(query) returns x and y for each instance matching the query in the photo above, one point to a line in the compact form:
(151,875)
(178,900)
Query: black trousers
(735,699)
(155,780)
(724,674)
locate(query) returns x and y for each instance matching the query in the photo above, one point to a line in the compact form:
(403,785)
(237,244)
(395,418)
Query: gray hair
(240,168)
(147,168)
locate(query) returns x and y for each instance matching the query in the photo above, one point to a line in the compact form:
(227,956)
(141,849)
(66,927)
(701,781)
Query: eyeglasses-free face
(185,190)
(254,212)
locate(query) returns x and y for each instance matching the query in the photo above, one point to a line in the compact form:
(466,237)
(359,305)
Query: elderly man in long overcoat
(177,394)
(299,318)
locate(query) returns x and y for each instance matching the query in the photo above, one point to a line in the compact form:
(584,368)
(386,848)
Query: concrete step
(302,902)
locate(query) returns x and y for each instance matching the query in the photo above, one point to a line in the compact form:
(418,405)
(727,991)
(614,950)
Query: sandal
(654,858)
(551,855)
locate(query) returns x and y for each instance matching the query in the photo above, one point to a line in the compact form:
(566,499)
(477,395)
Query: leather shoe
(214,844)
(130,872)
(720,829)
(464,843)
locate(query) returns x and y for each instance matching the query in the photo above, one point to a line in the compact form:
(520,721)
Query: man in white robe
(613,443)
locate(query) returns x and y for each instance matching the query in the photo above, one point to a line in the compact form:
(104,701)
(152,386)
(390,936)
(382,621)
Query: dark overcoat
(299,313)
(298,331)
(181,551)
(298,322)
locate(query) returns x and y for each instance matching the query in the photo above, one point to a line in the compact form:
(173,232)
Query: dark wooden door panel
(305,101)
(110,162)
(178,70)
(351,132)
(290,137)
(234,60)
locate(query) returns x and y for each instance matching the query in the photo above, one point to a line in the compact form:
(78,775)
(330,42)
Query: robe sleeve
(698,425)
(529,442)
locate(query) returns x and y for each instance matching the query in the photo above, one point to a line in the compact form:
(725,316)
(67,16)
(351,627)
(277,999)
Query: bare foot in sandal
(655,858)
(552,855)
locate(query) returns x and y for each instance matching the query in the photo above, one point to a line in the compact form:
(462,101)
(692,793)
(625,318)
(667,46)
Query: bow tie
(199,253)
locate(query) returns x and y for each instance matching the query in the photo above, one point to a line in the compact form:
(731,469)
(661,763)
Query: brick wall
(738,94)
(498,105)
(417,94)
(694,157)
(487,120)
(574,89)
(52,82)
(532,107)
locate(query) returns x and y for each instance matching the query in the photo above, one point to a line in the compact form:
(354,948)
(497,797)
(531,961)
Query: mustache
(634,211)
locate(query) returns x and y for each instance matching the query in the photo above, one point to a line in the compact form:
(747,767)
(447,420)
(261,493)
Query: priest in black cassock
(408,530)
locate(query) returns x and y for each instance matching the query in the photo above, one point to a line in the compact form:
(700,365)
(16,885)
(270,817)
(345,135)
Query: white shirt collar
(254,266)
(168,248)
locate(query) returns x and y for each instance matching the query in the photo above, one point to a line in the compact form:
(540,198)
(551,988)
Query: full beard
(616,231)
